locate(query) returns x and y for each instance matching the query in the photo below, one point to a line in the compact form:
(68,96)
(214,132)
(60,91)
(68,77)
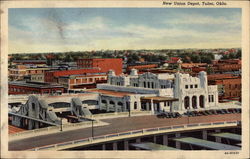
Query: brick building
(20,71)
(226,65)
(22,87)
(103,64)
(52,76)
(229,86)
(141,67)
(82,81)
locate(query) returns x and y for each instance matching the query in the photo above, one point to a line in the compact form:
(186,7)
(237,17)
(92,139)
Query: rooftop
(35,84)
(108,92)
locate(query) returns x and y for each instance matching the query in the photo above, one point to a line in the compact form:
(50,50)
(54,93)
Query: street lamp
(61,121)
(92,127)
(188,108)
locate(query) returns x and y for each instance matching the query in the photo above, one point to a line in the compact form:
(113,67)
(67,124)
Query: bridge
(127,129)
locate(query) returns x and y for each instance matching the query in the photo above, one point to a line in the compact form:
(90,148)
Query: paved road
(116,125)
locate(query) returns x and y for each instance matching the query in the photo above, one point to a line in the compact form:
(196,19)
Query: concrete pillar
(217,139)
(152,107)
(154,137)
(36,124)
(114,145)
(165,140)
(107,106)
(197,102)
(204,134)
(138,140)
(177,143)
(126,147)
(30,124)
(116,106)
(147,106)
(103,147)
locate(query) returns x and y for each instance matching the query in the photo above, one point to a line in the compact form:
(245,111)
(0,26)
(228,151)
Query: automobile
(178,114)
(197,113)
(203,113)
(239,110)
(221,111)
(231,110)
(214,111)
(191,113)
(226,111)
(208,112)
(161,115)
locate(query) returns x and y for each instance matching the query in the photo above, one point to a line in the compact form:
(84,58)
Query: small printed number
(231,153)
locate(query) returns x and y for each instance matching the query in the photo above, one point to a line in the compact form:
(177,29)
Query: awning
(206,144)
(227,136)
(152,146)
(159,99)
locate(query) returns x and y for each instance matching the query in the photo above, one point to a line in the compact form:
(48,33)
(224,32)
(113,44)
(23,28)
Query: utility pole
(92,127)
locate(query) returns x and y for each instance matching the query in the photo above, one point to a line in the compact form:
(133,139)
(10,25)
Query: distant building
(34,77)
(19,71)
(25,87)
(229,86)
(30,62)
(82,81)
(103,64)
(52,76)
(226,65)
(141,67)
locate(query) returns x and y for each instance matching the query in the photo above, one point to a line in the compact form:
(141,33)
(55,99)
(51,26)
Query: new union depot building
(155,92)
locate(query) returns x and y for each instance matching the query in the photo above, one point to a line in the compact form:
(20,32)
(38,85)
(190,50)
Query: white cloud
(98,33)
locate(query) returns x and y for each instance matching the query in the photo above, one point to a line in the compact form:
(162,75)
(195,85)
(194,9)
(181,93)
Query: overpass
(122,129)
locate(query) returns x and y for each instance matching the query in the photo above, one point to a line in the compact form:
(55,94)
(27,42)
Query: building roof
(207,144)
(228,136)
(35,84)
(159,98)
(152,146)
(110,93)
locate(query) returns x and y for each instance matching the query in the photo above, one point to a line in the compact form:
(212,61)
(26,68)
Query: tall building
(103,64)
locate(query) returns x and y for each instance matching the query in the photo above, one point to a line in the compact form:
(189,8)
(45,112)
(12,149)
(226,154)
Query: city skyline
(77,29)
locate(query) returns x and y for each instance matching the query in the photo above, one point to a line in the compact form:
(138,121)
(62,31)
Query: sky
(37,30)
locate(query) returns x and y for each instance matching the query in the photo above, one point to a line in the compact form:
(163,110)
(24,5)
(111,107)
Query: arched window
(148,84)
(104,101)
(135,105)
(33,106)
(202,101)
(186,102)
(194,102)
(120,103)
(111,102)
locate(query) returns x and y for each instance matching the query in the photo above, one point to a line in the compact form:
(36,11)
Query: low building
(25,87)
(20,71)
(229,86)
(226,65)
(82,81)
(34,77)
(52,75)
(141,67)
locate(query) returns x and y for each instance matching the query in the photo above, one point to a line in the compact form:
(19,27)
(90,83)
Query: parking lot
(199,113)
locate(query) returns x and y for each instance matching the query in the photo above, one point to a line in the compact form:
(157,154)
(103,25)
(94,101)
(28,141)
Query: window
(186,86)
(202,101)
(135,105)
(196,86)
(186,102)
(165,104)
(191,86)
